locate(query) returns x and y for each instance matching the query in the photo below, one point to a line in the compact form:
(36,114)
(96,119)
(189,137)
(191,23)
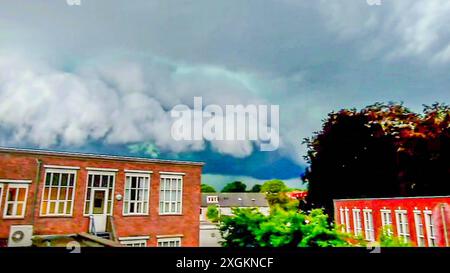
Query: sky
(103,76)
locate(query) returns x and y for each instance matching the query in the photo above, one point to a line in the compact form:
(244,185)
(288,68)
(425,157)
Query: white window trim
(428,229)
(138,171)
(168,239)
(176,176)
(171,173)
(406,235)
(113,190)
(56,170)
(384,223)
(127,243)
(212,199)
(357,224)
(136,174)
(24,210)
(134,238)
(61,167)
(417,225)
(2,191)
(15,181)
(101,169)
(347,220)
(368,230)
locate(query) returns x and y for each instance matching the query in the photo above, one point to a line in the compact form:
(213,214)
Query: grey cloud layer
(310,57)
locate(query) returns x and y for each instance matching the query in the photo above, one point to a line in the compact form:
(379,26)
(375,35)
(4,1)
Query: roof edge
(389,198)
(98,156)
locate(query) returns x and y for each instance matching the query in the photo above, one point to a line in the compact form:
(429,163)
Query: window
(99,180)
(419,228)
(58,195)
(368,225)
(1,194)
(402,224)
(170,196)
(357,221)
(16,200)
(212,199)
(429,224)
(386,222)
(344,220)
(347,220)
(134,241)
(136,194)
(169,242)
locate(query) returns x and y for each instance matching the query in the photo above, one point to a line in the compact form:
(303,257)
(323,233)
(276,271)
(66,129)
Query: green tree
(256,188)
(212,213)
(275,191)
(207,188)
(282,228)
(274,186)
(382,150)
(236,186)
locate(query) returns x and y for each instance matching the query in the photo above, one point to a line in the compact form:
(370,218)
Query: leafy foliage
(273,186)
(282,228)
(383,150)
(256,188)
(207,188)
(236,186)
(212,213)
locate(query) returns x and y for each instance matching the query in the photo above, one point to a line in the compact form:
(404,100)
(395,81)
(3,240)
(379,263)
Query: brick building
(422,221)
(134,201)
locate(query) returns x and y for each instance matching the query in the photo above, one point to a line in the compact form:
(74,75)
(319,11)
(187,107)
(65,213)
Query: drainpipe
(36,190)
(444,223)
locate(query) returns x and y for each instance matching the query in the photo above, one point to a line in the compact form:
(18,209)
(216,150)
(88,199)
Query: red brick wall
(408,204)
(24,166)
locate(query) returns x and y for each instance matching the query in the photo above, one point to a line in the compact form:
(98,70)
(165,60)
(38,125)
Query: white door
(99,199)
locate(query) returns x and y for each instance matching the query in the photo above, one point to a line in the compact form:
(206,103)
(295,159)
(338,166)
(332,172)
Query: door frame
(105,201)
(112,173)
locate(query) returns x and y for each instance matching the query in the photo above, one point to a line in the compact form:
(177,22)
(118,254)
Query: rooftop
(95,156)
(236,199)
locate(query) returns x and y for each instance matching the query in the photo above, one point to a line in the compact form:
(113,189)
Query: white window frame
(347,220)
(342,218)
(430,228)
(162,191)
(137,174)
(357,221)
(213,199)
(386,220)
(138,241)
(60,171)
(369,230)
(15,202)
(168,240)
(403,229)
(2,190)
(420,234)
(100,171)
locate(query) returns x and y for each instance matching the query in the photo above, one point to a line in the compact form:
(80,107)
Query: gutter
(36,190)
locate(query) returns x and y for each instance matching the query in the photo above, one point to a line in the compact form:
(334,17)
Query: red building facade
(149,202)
(422,221)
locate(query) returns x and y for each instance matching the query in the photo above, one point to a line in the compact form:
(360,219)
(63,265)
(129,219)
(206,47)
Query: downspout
(36,190)
(444,223)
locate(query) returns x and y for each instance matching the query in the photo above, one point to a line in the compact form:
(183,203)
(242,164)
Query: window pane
(48,179)
(64,179)
(22,193)
(61,207)
(105,181)
(69,207)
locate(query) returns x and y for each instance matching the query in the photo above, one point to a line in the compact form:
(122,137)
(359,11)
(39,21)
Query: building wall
(439,206)
(25,166)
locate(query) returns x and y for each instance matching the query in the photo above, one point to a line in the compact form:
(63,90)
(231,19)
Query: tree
(207,188)
(274,186)
(282,228)
(275,191)
(383,150)
(212,213)
(256,188)
(236,186)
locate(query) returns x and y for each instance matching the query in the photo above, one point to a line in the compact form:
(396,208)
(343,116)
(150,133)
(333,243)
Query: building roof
(391,198)
(237,199)
(96,156)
